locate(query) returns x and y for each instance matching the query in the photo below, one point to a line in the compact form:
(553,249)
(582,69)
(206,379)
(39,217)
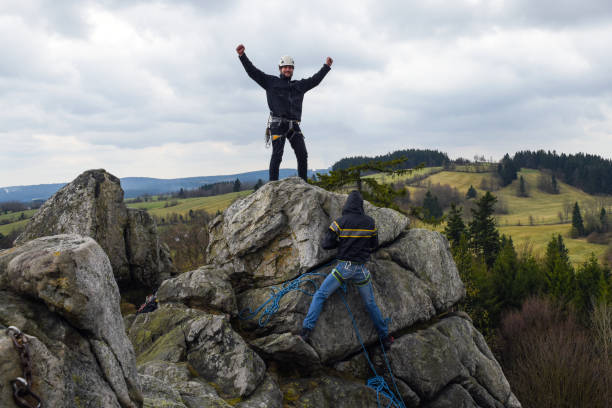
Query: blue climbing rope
(377,383)
(278,292)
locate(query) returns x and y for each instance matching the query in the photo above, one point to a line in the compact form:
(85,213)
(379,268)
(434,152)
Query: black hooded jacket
(284,96)
(354,234)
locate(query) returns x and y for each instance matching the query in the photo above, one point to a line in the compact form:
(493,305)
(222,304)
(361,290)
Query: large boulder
(208,287)
(92,205)
(448,360)
(406,292)
(60,291)
(269,240)
(275,234)
(175,334)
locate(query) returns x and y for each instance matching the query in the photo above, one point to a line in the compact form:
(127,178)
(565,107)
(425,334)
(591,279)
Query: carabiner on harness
(268,133)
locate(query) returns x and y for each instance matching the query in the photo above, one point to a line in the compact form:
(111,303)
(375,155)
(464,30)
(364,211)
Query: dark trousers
(296,139)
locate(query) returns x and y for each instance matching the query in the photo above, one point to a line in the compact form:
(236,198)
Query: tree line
(413,157)
(206,190)
(590,173)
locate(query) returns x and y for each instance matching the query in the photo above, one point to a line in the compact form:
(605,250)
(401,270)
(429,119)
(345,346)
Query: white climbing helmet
(286,60)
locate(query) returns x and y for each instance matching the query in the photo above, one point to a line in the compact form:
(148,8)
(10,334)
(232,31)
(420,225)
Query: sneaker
(387,341)
(305,333)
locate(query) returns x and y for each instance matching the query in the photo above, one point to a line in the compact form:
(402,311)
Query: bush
(550,360)
(598,238)
(491,183)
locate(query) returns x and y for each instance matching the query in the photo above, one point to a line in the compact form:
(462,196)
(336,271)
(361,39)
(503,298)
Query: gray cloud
(118,83)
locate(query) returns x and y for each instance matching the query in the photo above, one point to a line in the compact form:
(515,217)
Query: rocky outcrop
(60,291)
(92,205)
(197,350)
(275,234)
(272,236)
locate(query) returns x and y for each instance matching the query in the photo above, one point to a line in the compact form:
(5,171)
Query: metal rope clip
(14,329)
(21,390)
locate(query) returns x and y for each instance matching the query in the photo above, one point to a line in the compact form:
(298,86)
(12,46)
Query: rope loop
(276,294)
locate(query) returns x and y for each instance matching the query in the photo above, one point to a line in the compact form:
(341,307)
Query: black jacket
(354,234)
(284,96)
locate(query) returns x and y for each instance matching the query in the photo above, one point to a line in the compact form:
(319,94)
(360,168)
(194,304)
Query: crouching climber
(355,236)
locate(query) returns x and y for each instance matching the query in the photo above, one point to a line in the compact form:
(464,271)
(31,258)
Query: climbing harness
(288,134)
(278,293)
(22,391)
(377,383)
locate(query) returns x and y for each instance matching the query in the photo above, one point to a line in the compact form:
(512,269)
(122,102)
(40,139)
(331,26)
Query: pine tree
(554,186)
(473,273)
(603,220)
(591,285)
(558,271)
(471,193)
(382,195)
(506,170)
(431,207)
(237,185)
(507,290)
(577,223)
(258,184)
(483,232)
(522,190)
(455,227)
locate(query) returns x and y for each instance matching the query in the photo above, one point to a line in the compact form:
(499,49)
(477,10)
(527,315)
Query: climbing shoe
(305,333)
(387,341)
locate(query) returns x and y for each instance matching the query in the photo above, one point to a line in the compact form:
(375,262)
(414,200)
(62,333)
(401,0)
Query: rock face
(92,205)
(199,350)
(275,234)
(60,291)
(269,238)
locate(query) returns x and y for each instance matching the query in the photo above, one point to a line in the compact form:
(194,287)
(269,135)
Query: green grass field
(387,178)
(15,215)
(7,228)
(537,238)
(209,204)
(540,208)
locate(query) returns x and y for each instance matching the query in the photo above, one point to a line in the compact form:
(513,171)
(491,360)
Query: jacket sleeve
(374,240)
(256,75)
(308,83)
(331,236)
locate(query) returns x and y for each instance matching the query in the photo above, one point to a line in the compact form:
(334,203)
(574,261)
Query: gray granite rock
(92,205)
(222,357)
(205,288)
(274,234)
(66,282)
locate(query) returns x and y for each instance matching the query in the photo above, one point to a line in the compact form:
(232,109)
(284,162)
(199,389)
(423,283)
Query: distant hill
(135,186)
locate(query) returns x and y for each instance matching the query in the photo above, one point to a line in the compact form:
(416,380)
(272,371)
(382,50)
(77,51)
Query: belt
(279,119)
(290,131)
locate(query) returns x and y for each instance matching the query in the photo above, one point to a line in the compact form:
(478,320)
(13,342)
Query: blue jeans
(349,273)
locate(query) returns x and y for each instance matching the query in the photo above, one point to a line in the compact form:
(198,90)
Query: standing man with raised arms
(285,98)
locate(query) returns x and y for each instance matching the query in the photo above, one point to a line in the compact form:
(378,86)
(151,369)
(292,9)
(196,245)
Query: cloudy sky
(155,89)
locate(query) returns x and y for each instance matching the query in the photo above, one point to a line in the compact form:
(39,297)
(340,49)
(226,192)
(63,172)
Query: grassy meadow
(533,220)
(209,204)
